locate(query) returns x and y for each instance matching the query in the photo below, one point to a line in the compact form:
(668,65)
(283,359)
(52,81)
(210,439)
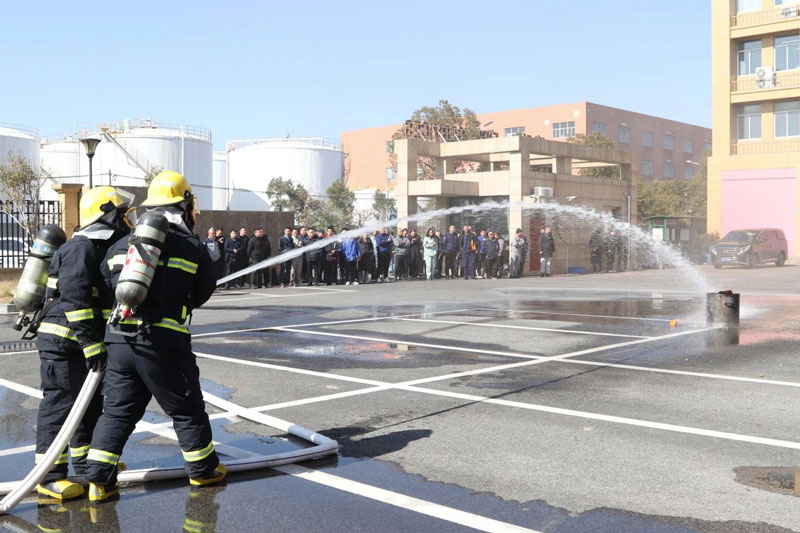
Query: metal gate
(15,243)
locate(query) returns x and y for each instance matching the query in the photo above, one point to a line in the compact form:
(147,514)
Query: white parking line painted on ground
(609,418)
(412,343)
(18,353)
(24,389)
(15,451)
(256,297)
(555,313)
(329,322)
(530,328)
(478,522)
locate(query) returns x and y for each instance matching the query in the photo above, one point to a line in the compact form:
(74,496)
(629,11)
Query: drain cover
(18,346)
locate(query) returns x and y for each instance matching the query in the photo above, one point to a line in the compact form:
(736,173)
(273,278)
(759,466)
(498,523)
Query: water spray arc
(635,234)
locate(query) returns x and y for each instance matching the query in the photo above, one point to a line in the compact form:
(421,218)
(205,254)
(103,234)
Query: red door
(537,224)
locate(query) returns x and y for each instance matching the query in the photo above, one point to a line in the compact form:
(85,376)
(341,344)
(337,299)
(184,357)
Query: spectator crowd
(380,257)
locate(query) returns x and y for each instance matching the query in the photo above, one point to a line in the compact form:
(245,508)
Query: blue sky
(262,69)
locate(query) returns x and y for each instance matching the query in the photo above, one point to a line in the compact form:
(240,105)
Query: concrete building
(752,180)
(508,161)
(665,149)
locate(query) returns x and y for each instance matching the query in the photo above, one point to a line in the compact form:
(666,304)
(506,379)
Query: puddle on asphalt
(780,479)
(17,418)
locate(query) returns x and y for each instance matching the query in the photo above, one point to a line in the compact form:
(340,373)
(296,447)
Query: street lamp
(90,144)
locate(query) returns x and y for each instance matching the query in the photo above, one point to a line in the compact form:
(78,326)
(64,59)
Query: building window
(747,5)
(647,168)
(787,118)
(600,127)
(785,2)
(669,170)
(688,172)
(749,57)
(706,147)
(389,147)
(787,52)
(688,146)
(563,130)
(748,121)
(389,174)
(647,138)
(624,134)
(669,142)
(511,132)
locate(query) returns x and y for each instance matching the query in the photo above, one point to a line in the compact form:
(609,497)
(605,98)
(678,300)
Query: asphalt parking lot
(570,403)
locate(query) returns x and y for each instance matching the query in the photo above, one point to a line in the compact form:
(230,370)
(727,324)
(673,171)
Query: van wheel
(781,260)
(717,265)
(752,261)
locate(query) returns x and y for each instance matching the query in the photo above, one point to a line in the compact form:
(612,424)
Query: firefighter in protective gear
(150,353)
(70,340)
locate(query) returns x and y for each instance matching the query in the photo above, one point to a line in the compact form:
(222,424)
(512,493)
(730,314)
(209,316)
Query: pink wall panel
(761,199)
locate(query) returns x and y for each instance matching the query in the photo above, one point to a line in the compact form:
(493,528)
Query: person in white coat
(430,245)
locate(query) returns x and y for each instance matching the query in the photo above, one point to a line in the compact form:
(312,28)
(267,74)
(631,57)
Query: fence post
(69,197)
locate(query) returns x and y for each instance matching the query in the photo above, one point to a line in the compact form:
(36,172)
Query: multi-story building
(752,180)
(665,149)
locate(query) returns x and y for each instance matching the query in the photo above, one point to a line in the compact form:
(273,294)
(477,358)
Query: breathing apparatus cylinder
(32,285)
(140,265)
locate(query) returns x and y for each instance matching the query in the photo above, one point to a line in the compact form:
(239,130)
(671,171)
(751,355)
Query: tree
(675,197)
(598,140)
(337,211)
(20,186)
(383,207)
(152,173)
(285,195)
(444,114)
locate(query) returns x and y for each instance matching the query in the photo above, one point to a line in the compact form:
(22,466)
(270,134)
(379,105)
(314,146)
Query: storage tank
(130,149)
(19,140)
(59,157)
(315,163)
(220,180)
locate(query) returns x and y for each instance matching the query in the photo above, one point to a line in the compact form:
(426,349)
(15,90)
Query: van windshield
(740,236)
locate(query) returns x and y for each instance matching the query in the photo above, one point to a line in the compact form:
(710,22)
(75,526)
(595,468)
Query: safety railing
(768,147)
(765,16)
(751,83)
(124,126)
(27,130)
(331,144)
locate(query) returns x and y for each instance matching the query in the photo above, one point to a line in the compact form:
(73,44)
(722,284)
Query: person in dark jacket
(450,253)
(70,339)
(480,263)
(313,264)
(215,252)
(285,243)
(439,263)
(491,250)
(150,353)
(244,259)
(547,248)
(383,245)
(366,261)
(330,259)
(259,249)
(415,260)
(596,251)
(468,244)
(233,251)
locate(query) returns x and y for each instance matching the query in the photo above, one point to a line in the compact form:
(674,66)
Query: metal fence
(15,243)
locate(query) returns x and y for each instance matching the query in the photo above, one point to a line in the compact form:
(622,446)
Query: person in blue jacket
(351,251)
(383,245)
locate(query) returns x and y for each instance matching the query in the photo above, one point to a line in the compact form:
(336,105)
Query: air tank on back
(314,163)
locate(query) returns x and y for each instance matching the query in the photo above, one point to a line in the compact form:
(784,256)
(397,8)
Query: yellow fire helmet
(168,188)
(100,201)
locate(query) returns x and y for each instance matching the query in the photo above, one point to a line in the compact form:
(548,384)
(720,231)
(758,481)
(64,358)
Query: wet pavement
(564,404)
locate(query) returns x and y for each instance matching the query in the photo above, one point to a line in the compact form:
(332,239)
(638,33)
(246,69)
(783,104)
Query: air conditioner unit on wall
(765,77)
(789,12)
(543,192)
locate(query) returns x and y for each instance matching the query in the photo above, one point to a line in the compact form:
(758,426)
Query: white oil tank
(314,163)
(130,149)
(19,140)
(220,180)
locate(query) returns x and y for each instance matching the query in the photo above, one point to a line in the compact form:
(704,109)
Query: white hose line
(59,444)
(323,447)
